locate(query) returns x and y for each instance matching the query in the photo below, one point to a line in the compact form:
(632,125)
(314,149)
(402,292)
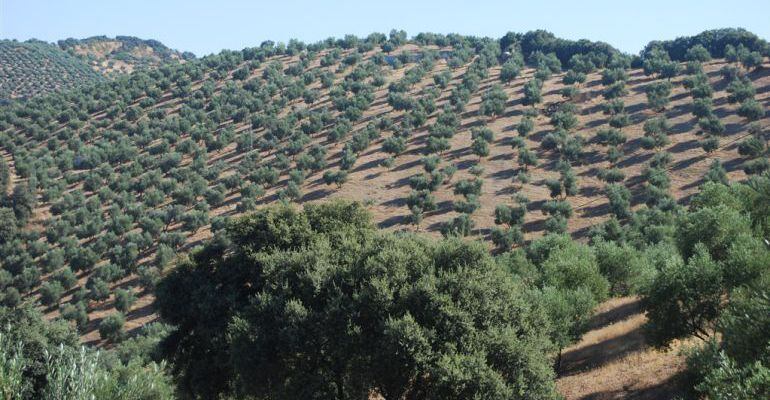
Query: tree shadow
(373,175)
(595,210)
(581,233)
(501,157)
(686,163)
(316,194)
(682,127)
(595,123)
(590,191)
(406,165)
(684,146)
(671,388)
(141,312)
(441,208)
(605,352)
(367,165)
(399,183)
(633,159)
(615,314)
(534,226)
(393,220)
(504,174)
(636,108)
(733,164)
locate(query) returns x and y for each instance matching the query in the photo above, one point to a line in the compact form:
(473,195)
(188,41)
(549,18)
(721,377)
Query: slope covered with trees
(449,134)
(34,67)
(402,316)
(517,142)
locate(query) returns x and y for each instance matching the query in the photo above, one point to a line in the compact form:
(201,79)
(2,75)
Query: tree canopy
(320,304)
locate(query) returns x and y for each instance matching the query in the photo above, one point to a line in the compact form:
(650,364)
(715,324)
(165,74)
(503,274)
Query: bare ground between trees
(612,360)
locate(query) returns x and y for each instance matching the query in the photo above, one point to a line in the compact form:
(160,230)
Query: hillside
(34,67)
(31,68)
(122,54)
(502,141)
(112,181)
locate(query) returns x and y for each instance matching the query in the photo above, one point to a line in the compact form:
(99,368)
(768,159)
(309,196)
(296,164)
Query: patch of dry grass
(612,360)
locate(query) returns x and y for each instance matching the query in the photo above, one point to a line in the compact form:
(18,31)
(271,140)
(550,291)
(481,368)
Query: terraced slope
(130,173)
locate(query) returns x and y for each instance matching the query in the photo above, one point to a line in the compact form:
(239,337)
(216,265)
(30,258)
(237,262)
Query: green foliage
(51,292)
(626,268)
(698,53)
(716,41)
(719,292)
(333,272)
(467,187)
(508,215)
(751,109)
(730,381)
(42,360)
(8,225)
(568,281)
(619,199)
(111,327)
(658,94)
(570,92)
(614,75)
(714,227)
(684,298)
(509,71)
(525,126)
(561,50)
(736,368)
(123,300)
(564,120)
(574,266)
(615,91)
(34,68)
(480,147)
(740,90)
(493,102)
(506,237)
(610,137)
(573,77)
(461,225)
(129,169)
(716,173)
(658,61)
(468,206)
(527,158)
(394,145)
(569,311)
(751,147)
(484,133)
(22,202)
(532,92)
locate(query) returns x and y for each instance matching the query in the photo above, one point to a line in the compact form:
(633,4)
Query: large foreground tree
(320,305)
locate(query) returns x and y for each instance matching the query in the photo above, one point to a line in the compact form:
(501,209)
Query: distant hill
(121,54)
(35,67)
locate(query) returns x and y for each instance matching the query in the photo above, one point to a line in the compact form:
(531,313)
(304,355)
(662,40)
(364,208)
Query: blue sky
(204,27)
